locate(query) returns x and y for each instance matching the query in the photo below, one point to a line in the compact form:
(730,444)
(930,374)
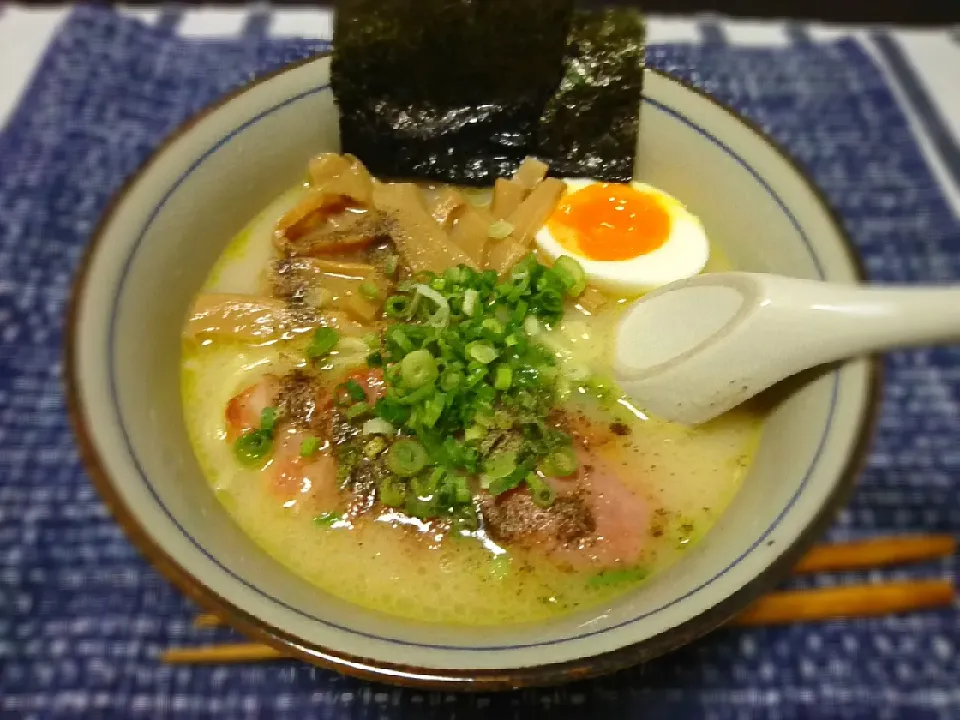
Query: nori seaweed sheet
(450,90)
(461,91)
(589,126)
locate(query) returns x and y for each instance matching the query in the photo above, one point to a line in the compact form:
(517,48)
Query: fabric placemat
(83,617)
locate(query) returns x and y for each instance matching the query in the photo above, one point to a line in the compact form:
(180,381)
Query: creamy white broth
(388,562)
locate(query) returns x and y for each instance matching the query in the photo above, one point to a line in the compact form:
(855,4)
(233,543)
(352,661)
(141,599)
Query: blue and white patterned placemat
(83,618)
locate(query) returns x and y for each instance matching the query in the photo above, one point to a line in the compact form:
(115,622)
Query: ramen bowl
(153,250)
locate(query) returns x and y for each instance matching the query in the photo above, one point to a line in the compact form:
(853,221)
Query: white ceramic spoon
(696,348)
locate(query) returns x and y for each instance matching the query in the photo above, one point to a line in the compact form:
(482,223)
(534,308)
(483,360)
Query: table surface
(875,120)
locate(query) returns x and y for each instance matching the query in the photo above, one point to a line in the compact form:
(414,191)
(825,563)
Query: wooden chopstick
(876,552)
(223,653)
(773,609)
(847,601)
(208,620)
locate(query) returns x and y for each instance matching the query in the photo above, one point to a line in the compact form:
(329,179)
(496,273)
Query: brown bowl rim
(453,679)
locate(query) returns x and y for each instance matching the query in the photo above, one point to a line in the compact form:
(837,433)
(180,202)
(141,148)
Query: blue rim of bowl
(427,677)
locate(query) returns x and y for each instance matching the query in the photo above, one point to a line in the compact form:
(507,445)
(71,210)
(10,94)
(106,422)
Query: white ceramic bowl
(156,245)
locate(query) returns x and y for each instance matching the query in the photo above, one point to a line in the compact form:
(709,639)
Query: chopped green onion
(374,447)
(501,485)
(450,380)
(468,385)
(520,311)
(541,491)
(481,352)
(390,264)
(469,301)
(392,493)
(474,432)
(419,508)
(476,375)
(325,339)
(253,446)
(560,463)
(354,390)
(418,369)
(369,290)
(500,229)
(571,274)
(502,378)
(427,485)
(406,458)
(309,446)
(442,315)
(358,410)
(460,488)
(418,395)
(432,409)
(398,337)
(465,520)
(268,419)
(500,464)
(397,307)
(531,325)
(377,426)
(493,325)
(615,577)
(326,519)
(392,411)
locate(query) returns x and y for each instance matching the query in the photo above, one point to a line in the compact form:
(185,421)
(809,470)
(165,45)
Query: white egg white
(684,253)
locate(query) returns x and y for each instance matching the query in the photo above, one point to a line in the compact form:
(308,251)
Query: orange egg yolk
(609,221)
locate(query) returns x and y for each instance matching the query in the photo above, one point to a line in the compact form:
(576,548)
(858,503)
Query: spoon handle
(857,320)
(723,338)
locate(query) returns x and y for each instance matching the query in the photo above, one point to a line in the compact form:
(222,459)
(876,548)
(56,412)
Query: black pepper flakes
(619,428)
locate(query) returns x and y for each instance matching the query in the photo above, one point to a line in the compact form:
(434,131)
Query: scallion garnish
(560,463)
(481,352)
(541,492)
(327,519)
(377,426)
(268,419)
(418,368)
(369,290)
(571,274)
(309,446)
(500,465)
(469,301)
(324,340)
(393,492)
(467,388)
(354,390)
(406,458)
(397,307)
(253,446)
(358,410)
(374,447)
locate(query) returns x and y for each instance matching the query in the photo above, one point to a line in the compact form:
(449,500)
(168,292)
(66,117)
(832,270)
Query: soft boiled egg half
(629,238)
